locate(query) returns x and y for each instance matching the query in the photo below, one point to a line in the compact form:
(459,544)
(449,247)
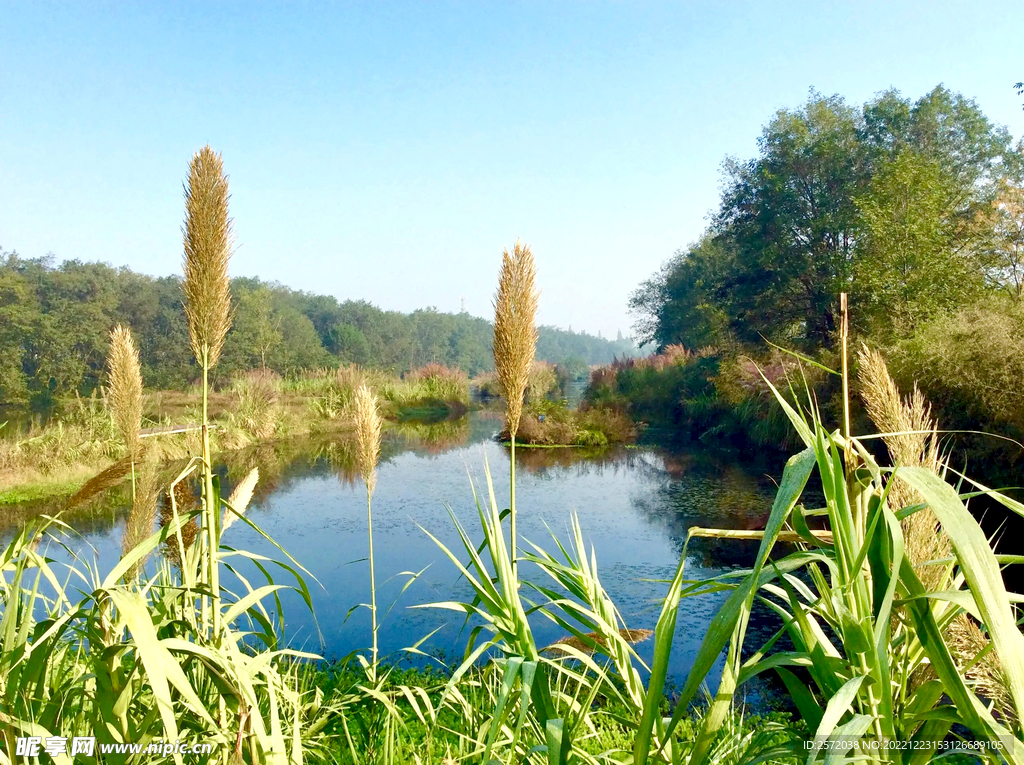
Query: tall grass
(138,654)
(368,434)
(862,626)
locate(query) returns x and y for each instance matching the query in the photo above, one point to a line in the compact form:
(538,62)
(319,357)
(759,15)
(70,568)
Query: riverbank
(56,457)
(446,739)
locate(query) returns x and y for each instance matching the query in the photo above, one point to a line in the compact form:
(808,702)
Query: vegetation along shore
(855,306)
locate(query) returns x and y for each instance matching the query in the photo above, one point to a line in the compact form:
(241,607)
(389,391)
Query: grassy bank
(257,407)
(445,738)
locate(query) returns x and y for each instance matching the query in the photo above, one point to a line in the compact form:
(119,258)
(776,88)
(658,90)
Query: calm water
(634,504)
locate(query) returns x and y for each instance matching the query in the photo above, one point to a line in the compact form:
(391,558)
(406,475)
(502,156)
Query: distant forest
(55,322)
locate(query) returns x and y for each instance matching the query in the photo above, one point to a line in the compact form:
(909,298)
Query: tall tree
(1006,216)
(791,216)
(916,254)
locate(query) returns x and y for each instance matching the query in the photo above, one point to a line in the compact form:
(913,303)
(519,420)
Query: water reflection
(635,506)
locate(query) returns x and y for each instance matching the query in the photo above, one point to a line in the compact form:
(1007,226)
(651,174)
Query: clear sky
(389,151)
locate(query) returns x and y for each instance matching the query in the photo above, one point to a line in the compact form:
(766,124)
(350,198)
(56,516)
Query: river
(634,504)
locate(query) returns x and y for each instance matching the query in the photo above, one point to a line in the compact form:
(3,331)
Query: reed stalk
(206,287)
(515,346)
(368,425)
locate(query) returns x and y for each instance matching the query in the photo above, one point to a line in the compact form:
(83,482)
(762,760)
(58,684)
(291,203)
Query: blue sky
(389,151)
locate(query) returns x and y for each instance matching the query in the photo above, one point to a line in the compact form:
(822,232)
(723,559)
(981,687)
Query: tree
(348,343)
(916,254)
(257,326)
(1006,267)
(300,346)
(791,216)
(687,301)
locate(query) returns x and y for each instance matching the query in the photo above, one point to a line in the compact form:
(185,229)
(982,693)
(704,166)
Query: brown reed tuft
(630,636)
(125,388)
(208,241)
(240,498)
(187,502)
(515,330)
(368,424)
(912,440)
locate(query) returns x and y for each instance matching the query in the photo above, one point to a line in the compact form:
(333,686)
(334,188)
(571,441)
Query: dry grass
(515,330)
(207,238)
(256,410)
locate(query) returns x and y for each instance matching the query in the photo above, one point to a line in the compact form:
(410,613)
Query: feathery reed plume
(187,502)
(207,235)
(125,388)
(240,498)
(368,425)
(515,331)
(912,440)
(207,242)
(515,345)
(139,523)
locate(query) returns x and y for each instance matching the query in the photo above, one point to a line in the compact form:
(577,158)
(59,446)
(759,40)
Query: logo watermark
(54,746)
(858,744)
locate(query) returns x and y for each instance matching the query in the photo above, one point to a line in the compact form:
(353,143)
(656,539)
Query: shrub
(256,411)
(543,380)
(433,382)
(970,363)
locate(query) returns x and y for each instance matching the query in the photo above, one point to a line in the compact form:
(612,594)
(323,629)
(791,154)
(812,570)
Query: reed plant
(515,347)
(872,659)
(256,410)
(368,425)
(124,389)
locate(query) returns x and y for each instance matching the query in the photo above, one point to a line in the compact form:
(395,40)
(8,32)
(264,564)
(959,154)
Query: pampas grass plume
(368,424)
(125,388)
(208,240)
(515,330)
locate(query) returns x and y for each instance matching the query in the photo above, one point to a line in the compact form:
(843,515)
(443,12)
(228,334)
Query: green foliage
(918,255)
(969,362)
(55,321)
(889,202)
(713,397)
(865,634)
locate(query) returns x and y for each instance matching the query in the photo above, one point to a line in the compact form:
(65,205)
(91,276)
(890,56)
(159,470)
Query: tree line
(55,321)
(913,207)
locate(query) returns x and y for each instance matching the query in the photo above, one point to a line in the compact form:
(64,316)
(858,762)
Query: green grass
(33,492)
(431,742)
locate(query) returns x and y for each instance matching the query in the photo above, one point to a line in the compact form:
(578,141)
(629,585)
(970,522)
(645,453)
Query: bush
(256,411)
(970,363)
